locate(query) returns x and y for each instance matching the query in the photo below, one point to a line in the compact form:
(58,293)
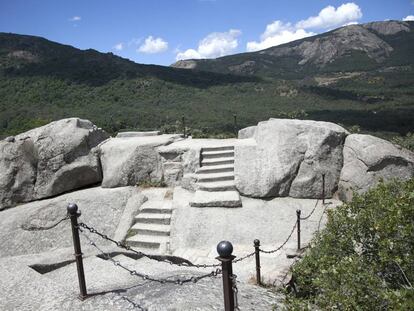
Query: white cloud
(153,45)
(279,32)
(331,17)
(214,45)
(75,19)
(408,18)
(119,46)
(350,23)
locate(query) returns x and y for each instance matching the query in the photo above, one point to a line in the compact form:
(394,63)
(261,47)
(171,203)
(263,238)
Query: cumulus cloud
(119,46)
(408,18)
(279,32)
(75,19)
(214,45)
(331,17)
(153,45)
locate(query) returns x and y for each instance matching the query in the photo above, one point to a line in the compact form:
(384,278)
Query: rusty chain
(243,258)
(178,281)
(284,243)
(307,217)
(151,257)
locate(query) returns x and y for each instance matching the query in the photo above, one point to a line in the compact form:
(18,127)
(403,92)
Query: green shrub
(406,141)
(364,258)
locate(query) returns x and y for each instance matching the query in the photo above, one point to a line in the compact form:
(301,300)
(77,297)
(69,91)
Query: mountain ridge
(372,42)
(42,81)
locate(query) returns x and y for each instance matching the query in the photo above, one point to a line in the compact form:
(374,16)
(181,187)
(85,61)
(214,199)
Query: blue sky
(163,31)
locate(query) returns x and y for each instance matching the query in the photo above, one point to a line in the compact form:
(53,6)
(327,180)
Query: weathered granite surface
(49,160)
(288,157)
(369,159)
(101,208)
(127,161)
(25,289)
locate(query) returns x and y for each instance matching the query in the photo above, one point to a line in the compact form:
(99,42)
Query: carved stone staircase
(215,179)
(151,230)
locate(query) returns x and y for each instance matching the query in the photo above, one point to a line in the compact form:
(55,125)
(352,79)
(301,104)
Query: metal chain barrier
(47,227)
(243,258)
(151,257)
(178,281)
(307,217)
(283,244)
(320,219)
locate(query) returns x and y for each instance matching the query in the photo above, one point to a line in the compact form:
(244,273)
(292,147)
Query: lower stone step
(153,218)
(147,241)
(213,177)
(225,185)
(158,207)
(151,229)
(216,199)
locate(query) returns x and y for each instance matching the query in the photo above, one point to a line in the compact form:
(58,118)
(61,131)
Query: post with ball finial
(74,214)
(225,250)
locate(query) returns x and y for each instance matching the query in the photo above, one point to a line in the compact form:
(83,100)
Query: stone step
(218,148)
(217,154)
(147,241)
(216,169)
(217,186)
(158,207)
(151,229)
(217,161)
(216,199)
(153,218)
(213,177)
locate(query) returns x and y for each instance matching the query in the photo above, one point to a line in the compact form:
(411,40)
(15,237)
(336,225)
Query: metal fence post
(225,249)
(257,253)
(298,226)
(235,124)
(184,129)
(323,188)
(74,214)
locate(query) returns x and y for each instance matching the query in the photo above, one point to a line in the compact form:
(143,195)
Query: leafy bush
(364,258)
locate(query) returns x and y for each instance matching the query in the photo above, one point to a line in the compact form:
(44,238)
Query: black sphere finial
(72,208)
(224,249)
(256,242)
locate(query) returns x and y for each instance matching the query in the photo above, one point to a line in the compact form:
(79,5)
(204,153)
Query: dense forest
(41,81)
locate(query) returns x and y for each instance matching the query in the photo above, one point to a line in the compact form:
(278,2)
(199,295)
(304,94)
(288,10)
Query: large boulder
(49,160)
(369,159)
(103,209)
(288,157)
(127,161)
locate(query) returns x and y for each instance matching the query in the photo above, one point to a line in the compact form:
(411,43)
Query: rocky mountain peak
(372,40)
(388,28)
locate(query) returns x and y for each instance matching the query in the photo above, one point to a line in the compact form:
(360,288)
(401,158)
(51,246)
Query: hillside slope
(41,81)
(351,48)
